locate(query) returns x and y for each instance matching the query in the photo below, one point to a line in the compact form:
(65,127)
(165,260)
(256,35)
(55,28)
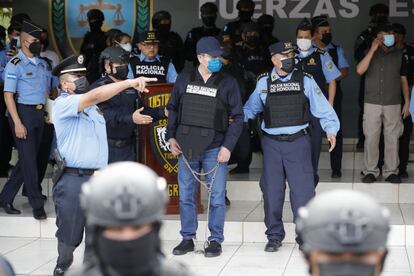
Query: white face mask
(127,47)
(304,44)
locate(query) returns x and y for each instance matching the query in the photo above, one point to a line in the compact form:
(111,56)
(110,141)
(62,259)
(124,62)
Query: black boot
(184,247)
(65,258)
(9,209)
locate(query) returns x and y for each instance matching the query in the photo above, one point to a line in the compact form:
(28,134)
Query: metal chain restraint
(209,187)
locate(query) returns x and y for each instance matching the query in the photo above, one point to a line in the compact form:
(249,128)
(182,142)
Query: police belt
(34,106)
(80,171)
(119,143)
(288,137)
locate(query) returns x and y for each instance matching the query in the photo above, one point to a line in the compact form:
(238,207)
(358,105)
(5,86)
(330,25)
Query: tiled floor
(38,257)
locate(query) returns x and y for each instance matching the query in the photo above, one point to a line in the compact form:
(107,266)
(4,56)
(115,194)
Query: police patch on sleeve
(330,65)
(11,76)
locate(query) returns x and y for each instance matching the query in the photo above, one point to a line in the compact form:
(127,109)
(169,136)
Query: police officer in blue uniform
(322,38)
(208,13)
(287,96)
(82,144)
(319,64)
(148,63)
(199,109)
(121,112)
(27,83)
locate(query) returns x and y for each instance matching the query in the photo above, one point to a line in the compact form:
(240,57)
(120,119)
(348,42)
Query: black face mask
(380,19)
(346,269)
(164,29)
(208,21)
(267,29)
(82,85)
(245,16)
(288,65)
(326,38)
(121,72)
(133,257)
(252,40)
(35,48)
(95,26)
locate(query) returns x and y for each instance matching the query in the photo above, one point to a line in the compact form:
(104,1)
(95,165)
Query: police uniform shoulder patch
(307,75)
(262,76)
(319,51)
(15,60)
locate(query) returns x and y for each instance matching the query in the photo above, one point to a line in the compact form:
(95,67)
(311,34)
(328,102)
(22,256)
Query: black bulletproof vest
(286,103)
(154,69)
(200,106)
(312,65)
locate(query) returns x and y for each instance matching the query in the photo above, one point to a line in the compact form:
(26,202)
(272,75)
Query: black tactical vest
(312,65)
(154,69)
(200,106)
(286,103)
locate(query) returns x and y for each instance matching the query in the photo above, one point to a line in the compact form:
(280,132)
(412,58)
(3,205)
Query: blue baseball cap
(209,45)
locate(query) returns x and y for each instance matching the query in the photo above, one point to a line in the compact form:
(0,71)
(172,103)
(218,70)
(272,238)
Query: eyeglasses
(150,45)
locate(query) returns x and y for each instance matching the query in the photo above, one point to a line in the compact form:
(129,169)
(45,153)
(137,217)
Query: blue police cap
(71,65)
(209,45)
(32,29)
(148,37)
(281,47)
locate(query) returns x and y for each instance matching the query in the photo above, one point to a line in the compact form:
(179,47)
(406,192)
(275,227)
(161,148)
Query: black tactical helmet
(248,4)
(95,14)
(158,16)
(208,8)
(266,19)
(379,9)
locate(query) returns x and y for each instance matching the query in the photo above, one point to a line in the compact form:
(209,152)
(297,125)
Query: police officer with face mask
(287,96)
(208,13)
(81,145)
(26,85)
(320,65)
(171,43)
(322,38)
(199,109)
(94,42)
(149,63)
(121,112)
(124,205)
(234,29)
(344,233)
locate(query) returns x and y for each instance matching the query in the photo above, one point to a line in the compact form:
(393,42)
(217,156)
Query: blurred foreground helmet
(343,221)
(124,194)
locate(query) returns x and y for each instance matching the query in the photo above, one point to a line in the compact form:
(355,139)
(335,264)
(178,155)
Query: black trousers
(6,138)
(404,152)
(336,154)
(28,149)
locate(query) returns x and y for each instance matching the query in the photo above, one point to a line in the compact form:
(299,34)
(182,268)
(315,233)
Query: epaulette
(308,75)
(15,60)
(266,74)
(319,51)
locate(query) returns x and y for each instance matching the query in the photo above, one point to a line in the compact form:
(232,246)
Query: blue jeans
(188,186)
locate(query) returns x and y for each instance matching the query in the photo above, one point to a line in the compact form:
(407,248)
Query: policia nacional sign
(68,21)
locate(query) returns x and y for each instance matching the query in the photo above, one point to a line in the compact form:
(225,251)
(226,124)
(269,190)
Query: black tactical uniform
(234,28)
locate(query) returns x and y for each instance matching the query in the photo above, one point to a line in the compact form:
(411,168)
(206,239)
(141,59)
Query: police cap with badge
(71,65)
(281,48)
(201,112)
(149,37)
